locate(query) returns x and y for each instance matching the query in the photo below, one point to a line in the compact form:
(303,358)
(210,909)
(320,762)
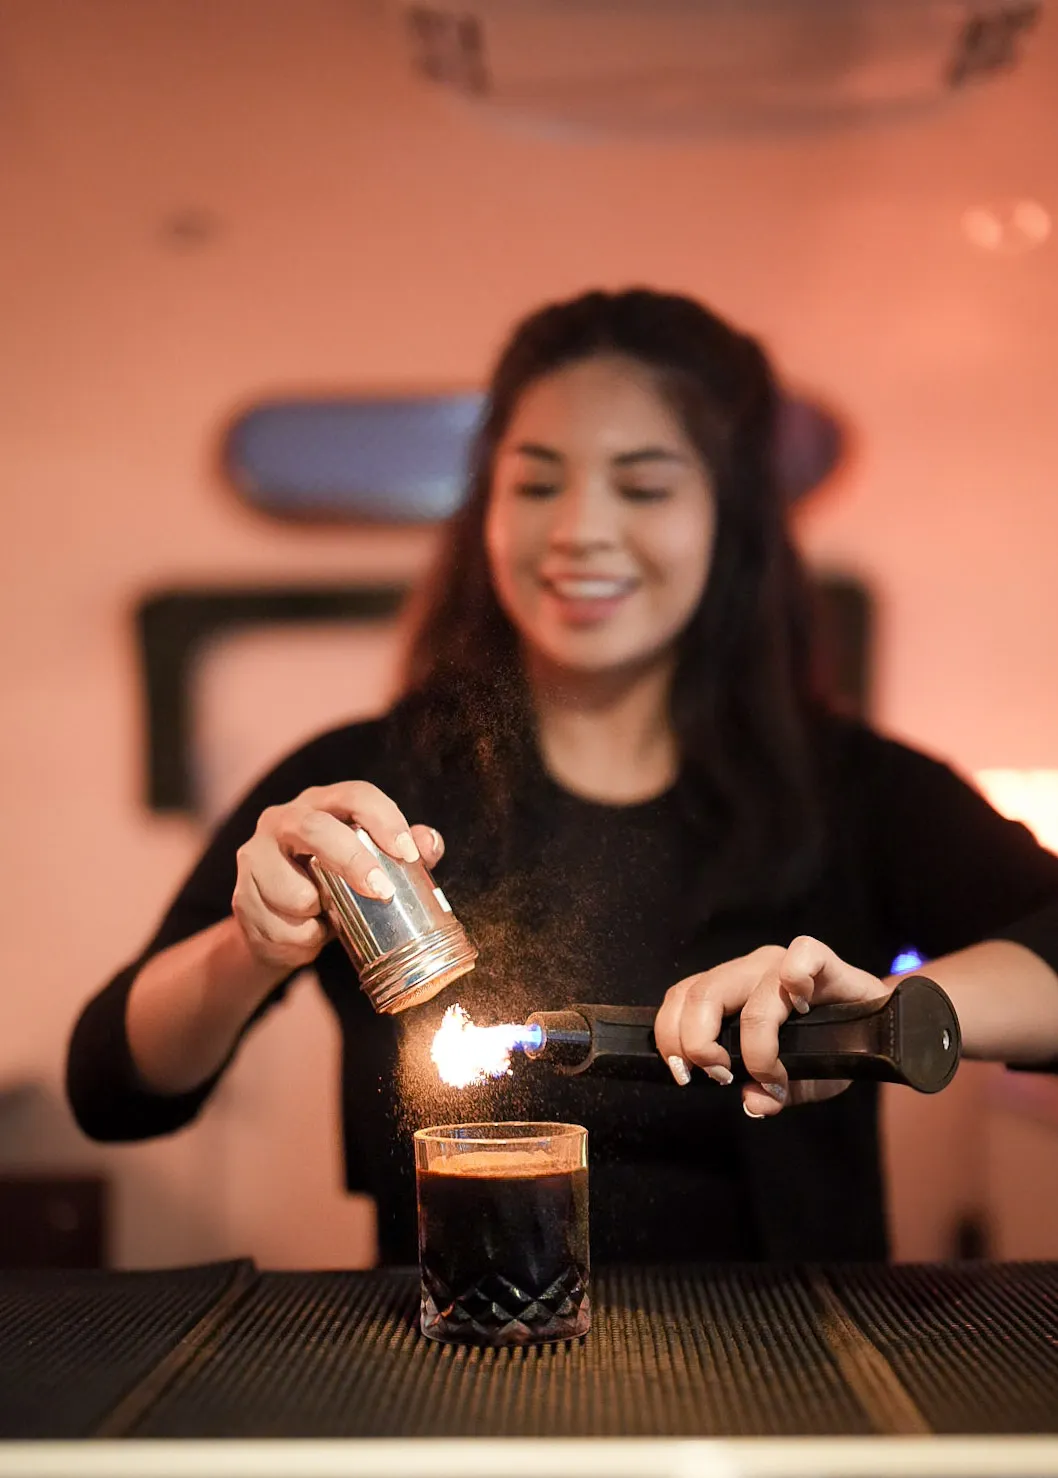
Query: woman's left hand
(762,988)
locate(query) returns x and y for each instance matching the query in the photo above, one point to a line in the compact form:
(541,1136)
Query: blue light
(908,959)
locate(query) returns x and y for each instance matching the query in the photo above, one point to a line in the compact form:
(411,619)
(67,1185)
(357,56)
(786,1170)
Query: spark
(466,1055)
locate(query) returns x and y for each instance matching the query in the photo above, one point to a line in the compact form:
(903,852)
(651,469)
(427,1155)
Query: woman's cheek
(682,567)
(515,586)
(691,556)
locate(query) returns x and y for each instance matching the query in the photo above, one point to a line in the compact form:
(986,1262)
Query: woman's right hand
(276,902)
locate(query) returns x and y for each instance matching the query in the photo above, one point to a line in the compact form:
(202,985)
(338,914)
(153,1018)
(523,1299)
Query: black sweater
(606,909)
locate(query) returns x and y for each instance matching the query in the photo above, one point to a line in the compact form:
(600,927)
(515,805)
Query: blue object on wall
(401,460)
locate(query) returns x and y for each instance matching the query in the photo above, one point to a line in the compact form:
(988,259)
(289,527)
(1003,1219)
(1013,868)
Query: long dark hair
(742,697)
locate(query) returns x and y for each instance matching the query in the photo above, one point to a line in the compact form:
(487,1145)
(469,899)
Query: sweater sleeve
(107,1097)
(948,869)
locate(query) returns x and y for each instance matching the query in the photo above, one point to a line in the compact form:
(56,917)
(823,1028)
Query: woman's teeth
(590,589)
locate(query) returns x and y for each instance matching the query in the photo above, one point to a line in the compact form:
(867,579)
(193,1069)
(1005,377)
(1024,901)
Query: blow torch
(911,1037)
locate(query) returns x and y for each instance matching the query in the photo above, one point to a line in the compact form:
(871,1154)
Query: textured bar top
(692,1352)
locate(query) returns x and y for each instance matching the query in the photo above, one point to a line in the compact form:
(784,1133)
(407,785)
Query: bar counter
(833,1369)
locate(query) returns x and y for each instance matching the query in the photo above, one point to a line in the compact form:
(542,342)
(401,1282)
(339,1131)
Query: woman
(610,712)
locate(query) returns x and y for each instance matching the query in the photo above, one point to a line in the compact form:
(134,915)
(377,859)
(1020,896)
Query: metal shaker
(406,950)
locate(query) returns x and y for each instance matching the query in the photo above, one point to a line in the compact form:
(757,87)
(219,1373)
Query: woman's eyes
(632,494)
(644,495)
(536,489)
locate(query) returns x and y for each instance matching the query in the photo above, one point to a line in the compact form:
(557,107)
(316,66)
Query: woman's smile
(588,600)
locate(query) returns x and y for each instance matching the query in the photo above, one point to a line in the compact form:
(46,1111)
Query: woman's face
(599,528)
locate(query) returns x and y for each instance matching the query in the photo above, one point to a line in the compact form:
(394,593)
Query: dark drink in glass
(503,1232)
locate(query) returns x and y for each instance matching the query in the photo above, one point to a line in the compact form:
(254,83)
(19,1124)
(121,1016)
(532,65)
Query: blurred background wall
(204,201)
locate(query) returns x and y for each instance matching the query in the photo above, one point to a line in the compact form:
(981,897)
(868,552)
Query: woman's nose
(583,520)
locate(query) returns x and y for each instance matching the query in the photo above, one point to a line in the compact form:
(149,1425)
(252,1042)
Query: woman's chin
(594,659)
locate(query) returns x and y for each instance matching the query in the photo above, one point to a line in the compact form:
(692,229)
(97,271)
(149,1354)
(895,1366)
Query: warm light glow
(1030,796)
(1009,227)
(466,1055)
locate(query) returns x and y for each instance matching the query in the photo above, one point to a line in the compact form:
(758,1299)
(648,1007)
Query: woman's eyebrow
(648,454)
(632,458)
(535,449)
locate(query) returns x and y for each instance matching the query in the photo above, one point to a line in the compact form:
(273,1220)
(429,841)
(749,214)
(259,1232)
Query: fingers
(804,961)
(430,844)
(368,807)
(811,973)
(283,886)
(761,988)
(346,828)
(275,937)
(337,846)
(766,1008)
(688,1024)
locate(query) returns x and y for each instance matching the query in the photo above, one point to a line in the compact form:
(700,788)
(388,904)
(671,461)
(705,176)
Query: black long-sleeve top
(607,910)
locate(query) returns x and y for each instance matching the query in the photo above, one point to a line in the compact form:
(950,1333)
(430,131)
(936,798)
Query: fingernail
(438,844)
(379,884)
(750,1114)
(406,846)
(721,1075)
(776,1091)
(800,1005)
(680,1071)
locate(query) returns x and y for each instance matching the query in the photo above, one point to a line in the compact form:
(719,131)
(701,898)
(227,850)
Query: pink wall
(369,234)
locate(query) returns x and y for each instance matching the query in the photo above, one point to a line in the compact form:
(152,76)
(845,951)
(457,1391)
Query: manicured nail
(406,846)
(776,1091)
(680,1071)
(721,1075)
(438,844)
(379,884)
(799,1004)
(749,1112)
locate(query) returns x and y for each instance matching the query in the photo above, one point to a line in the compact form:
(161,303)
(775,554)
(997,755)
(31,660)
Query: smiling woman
(611,716)
(599,537)
(699,664)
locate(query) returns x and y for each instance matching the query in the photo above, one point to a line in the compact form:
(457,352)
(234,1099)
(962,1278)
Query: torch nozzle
(530,1038)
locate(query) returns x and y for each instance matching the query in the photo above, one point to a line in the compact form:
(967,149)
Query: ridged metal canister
(404,950)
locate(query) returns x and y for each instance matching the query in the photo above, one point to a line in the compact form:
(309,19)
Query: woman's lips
(587,601)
